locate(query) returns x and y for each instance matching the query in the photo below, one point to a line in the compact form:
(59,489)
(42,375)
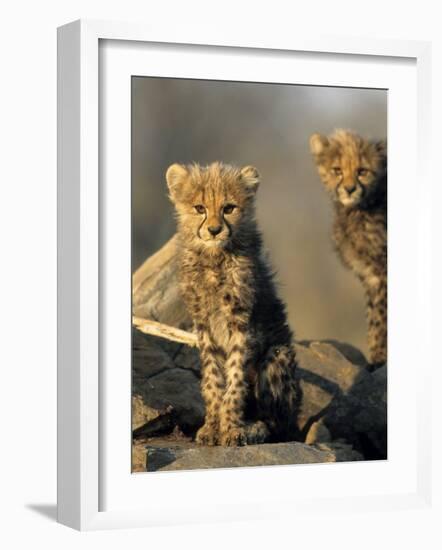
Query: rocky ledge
(182,454)
(343,414)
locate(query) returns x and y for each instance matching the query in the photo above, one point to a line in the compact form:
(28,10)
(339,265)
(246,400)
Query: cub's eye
(336,171)
(200,208)
(229,208)
(362,172)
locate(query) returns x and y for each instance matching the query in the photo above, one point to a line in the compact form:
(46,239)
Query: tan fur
(248,362)
(354,172)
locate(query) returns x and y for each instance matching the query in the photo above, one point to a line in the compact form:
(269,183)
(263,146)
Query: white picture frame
(80,438)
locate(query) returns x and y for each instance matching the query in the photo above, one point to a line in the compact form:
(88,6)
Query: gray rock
(343,408)
(165,379)
(341,400)
(164,456)
(177,388)
(342,451)
(324,374)
(155,289)
(142,414)
(360,415)
(352,354)
(318,433)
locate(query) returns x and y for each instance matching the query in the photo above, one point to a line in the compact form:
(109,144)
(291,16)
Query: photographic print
(259,274)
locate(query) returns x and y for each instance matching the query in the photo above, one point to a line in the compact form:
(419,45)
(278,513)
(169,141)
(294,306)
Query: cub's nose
(351,189)
(214,229)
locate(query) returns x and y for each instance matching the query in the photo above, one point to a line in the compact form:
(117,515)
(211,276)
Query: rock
(141,413)
(155,289)
(352,354)
(343,406)
(177,388)
(150,355)
(164,456)
(318,433)
(360,416)
(342,451)
(324,375)
(165,378)
(340,400)
(139,454)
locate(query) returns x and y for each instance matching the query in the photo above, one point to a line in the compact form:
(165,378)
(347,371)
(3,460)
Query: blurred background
(267,125)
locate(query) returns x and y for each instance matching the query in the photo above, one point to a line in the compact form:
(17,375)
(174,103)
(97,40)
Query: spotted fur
(248,361)
(354,171)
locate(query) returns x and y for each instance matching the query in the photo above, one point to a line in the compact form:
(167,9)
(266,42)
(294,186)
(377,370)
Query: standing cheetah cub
(247,357)
(354,171)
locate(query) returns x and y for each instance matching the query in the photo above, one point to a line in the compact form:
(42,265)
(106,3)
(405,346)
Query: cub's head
(352,168)
(215,204)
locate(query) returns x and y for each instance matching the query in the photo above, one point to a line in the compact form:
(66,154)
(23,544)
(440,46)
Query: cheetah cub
(248,361)
(354,172)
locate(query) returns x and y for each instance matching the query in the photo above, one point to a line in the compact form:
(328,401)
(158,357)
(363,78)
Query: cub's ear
(381,147)
(318,143)
(249,175)
(176,177)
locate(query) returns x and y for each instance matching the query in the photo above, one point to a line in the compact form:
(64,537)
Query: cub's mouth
(349,201)
(214,242)
(214,237)
(350,197)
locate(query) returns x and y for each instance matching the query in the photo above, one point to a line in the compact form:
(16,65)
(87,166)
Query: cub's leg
(232,427)
(212,389)
(377,319)
(277,393)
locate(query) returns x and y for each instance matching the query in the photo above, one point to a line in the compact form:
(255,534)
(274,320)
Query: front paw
(257,432)
(207,435)
(234,436)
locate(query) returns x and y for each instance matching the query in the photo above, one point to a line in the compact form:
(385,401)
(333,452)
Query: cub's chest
(217,287)
(217,305)
(219,278)
(358,230)
(360,240)
(213,278)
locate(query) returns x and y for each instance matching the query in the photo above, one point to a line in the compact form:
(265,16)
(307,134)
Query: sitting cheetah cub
(247,357)
(354,171)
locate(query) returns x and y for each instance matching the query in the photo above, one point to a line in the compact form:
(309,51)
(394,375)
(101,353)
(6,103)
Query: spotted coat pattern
(354,171)
(247,357)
